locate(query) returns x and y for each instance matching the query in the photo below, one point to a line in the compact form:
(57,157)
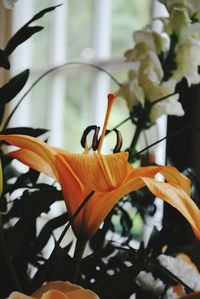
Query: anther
(85,134)
(119,142)
(95,140)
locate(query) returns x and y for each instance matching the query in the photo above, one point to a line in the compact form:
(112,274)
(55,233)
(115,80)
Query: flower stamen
(85,134)
(111,98)
(95,140)
(119,142)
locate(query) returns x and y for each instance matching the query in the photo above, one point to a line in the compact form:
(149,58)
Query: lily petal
(101,203)
(54,294)
(173,176)
(33,161)
(57,290)
(33,144)
(179,199)
(174,195)
(18,295)
(109,176)
(71,291)
(104,172)
(62,286)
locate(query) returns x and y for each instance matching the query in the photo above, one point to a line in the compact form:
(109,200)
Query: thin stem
(174,277)
(166,137)
(136,136)
(73,217)
(39,277)
(162,99)
(78,254)
(52,70)
(140,126)
(117,126)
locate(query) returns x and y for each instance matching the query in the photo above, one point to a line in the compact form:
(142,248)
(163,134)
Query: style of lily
(106,178)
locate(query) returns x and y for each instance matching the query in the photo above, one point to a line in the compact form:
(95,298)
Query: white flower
(145,82)
(147,41)
(170,294)
(151,78)
(169,106)
(162,59)
(131,91)
(192,5)
(187,57)
(9,4)
(182,270)
(147,282)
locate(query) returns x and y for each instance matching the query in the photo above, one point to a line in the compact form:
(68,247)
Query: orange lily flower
(109,176)
(57,290)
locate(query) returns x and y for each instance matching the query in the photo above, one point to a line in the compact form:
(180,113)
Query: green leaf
(57,267)
(42,13)
(47,230)
(126,222)
(24,180)
(20,37)
(2,111)
(34,132)
(4,62)
(28,208)
(120,283)
(26,32)
(13,87)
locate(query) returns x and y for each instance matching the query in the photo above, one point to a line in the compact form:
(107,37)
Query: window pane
(77,110)
(79,33)
(127,17)
(78,37)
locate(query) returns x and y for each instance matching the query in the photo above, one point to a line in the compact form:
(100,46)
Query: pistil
(111,98)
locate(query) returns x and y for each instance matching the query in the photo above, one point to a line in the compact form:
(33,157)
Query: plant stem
(64,65)
(78,254)
(7,261)
(39,277)
(136,136)
(141,124)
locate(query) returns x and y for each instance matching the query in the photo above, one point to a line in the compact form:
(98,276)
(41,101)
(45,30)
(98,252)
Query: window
(90,31)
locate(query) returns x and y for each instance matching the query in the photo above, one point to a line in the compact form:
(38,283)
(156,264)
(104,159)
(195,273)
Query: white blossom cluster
(148,283)
(161,59)
(176,265)
(182,270)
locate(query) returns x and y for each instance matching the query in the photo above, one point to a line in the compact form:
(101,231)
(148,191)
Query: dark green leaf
(117,284)
(13,87)
(26,32)
(45,193)
(20,37)
(42,13)
(30,206)
(25,180)
(47,230)
(34,132)
(4,62)
(2,111)
(57,267)
(126,222)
